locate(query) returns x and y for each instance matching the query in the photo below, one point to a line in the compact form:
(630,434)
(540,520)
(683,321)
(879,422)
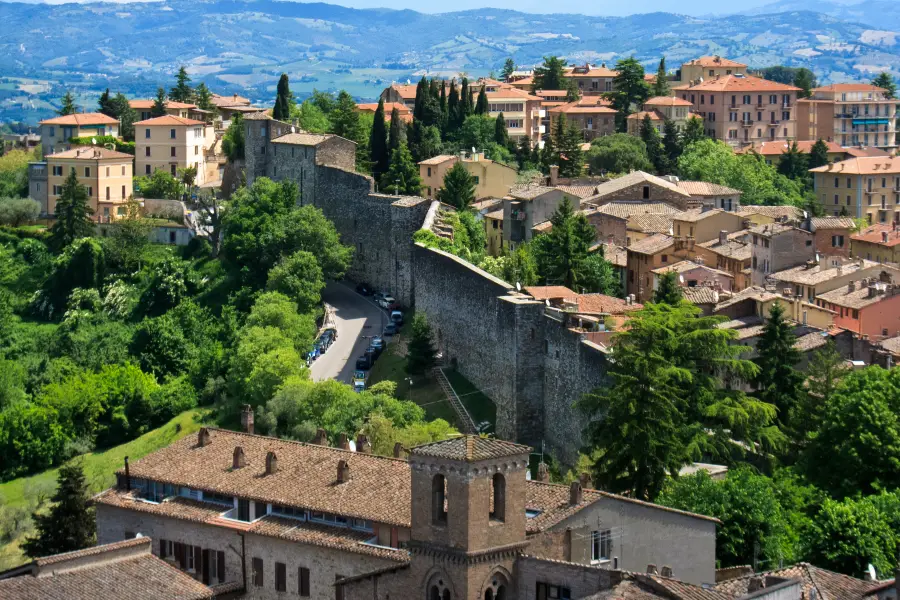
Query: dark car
(364,363)
(375,350)
(364,289)
(397,317)
(391,329)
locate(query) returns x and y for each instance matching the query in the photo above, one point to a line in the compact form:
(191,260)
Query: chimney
(586,481)
(238,459)
(651,570)
(343,442)
(543,473)
(884,237)
(247,419)
(343,471)
(362,444)
(756,584)
(127,476)
(321,439)
(398,449)
(575,494)
(667,571)
(723,237)
(851,287)
(271,463)
(554,175)
(203,437)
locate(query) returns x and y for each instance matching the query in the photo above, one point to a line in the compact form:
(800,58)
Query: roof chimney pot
(238,461)
(398,449)
(247,419)
(667,571)
(343,471)
(362,444)
(343,442)
(203,438)
(543,473)
(651,570)
(271,463)
(586,481)
(321,438)
(575,493)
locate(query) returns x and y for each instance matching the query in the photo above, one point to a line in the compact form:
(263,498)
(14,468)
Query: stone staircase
(467,425)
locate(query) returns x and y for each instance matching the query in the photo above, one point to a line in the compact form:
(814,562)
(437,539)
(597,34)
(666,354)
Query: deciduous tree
(421,353)
(299,277)
(618,153)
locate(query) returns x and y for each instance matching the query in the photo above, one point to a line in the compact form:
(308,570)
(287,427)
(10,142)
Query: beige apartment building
(592,80)
(176,109)
(660,109)
(171,143)
(521,110)
(591,114)
(710,67)
(742,110)
(849,114)
(106,174)
(868,188)
(492,179)
(56,132)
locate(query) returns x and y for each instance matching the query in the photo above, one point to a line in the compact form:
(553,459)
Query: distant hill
(242,46)
(881,13)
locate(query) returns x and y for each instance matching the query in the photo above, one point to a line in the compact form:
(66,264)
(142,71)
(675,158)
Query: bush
(103,140)
(18,211)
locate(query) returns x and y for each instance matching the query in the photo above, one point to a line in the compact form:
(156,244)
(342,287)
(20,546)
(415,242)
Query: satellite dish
(681,278)
(518,286)
(473,149)
(872,574)
(94,141)
(528,475)
(293,130)
(547,301)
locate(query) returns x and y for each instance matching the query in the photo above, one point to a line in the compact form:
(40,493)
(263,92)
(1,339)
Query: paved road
(357,318)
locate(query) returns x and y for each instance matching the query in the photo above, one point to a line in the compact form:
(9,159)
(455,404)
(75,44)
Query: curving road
(357,319)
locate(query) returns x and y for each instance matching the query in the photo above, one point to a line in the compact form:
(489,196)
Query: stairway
(466,423)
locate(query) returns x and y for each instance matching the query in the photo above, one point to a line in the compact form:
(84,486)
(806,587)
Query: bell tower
(468,516)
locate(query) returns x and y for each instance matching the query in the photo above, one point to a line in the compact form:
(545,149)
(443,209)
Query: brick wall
(581,580)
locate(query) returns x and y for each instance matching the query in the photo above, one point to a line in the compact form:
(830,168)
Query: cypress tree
(69,524)
(378,142)
(549,157)
(465,101)
(481,108)
(454,121)
(159,104)
(73,214)
(68,105)
(501,136)
(652,140)
(661,85)
(106,104)
(671,143)
(571,161)
(397,134)
(420,98)
(470,104)
(442,102)
(282,110)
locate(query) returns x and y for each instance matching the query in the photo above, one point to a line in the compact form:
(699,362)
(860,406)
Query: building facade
(864,188)
(849,114)
(880,243)
(106,174)
(56,132)
(171,143)
(591,80)
(710,67)
(592,115)
(492,179)
(777,247)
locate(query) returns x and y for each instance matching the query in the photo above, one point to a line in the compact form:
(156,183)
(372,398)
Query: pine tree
(549,156)
(69,524)
(126,115)
(571,157)
(550,75)
(442,102)
(509,68)
(630,90)
(793,163)
(886,82)
(421,353)
(562,253)
(182,91)
(283,100)
(203,97)
(68,105)
(501,135)
(693,132)
(73,214)
(481,107)
(106,104)
(523,152)
(402,177)
(653,142)
(378,142)
(159,104)
(818,155)
(671,144)
(806,81)
(778,382)
(458,188)
(661,85)
(669,291)
(397,135)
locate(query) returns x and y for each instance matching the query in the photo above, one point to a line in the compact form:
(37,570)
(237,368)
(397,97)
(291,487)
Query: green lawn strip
(479,406)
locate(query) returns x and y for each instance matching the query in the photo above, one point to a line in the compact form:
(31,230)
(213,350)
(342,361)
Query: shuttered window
(220,568)
(280,577)
(303,579)
(258,572)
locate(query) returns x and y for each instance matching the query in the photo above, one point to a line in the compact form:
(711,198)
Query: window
(289,511)
(303,581)
(107,171)
(173,170)
(601,545)
(439,500)
(196,150)
(429,171)
(147,133)
(243,510)
(172,151)
(218,498)
(172,134)
(147,151)
(646,192)
(546,591)
(123,192)
(258,572)
(280,577)
(53,132)
(90,190)
(147,169)
(57,171)
(107,192)
(665,258)
(499,488)
(87,171)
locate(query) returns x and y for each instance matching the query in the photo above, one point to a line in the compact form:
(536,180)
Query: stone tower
(468,517)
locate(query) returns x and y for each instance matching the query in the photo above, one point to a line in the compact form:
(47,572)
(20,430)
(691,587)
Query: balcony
(733,107)
(746,123)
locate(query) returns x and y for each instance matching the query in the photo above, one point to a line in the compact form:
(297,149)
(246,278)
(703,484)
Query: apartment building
(849,114)
(776,247)
(184,110)
(591,80)
(865,188)
(492,179)
(869,306)
(743,110)
(521,110)
(660,109)
(880,242)
(56,132)
(171,143)
(592,115)
(106,174)
(705,224)
(710,67)
(731,253)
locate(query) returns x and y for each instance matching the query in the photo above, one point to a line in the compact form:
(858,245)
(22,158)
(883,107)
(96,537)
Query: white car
(386,302)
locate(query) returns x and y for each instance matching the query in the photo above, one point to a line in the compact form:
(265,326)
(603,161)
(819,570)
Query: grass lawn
(479,406)
(99,470)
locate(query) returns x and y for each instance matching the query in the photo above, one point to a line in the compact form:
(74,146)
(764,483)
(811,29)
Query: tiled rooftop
(704,188)
(774,212)
(859,297)
(436,160)
(683,266)
(302,138)
(529,192)
(629,208)
(821,272)
(651,223)
(700,295)
(874,234)
(653,244)
(695,215)
(81,119)
(832,223)
(738,83)
(867,165)
(730,249)
(828,585)
(91,153)
(169,120)
(546,292)
(603,304)
(470,448)
(635,178)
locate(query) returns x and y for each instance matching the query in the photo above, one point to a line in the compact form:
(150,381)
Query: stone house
(705,224)
(591,80)
(731,253)
(184,110)
(527,206)
(713,195)
(624,222)
(56,132)
(815,277)
(643,257)
(869,307)
(644,187)
(764,215)
(777,247)
(831,235)
(693,274)
(592,115)
(880,243)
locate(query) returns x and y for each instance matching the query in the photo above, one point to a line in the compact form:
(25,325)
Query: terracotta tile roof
(636,178)
(589,71)
(496,214)
(705,188)
(303,138)
(617,255)
(865,165)
(403,111)
(229,101)
(874,234)
(486,204)
(470,448)
(378,489)
(700,295)
(169,120)
(714,61)
(862,151)
(594,304)
(579,191)
(751,293)
(436,160)
(859,297)
(506,92)
(81,119)
(774,212)
(529,192)
(549,292)
(125,570)
(821,272)
(653,244)
(849,87)
(730,249)
(745,83)
(832,223)
(261,115)
(543,226)
(148,104)
(406,91)
(578,108)
(684,266)
(551,93)
(629,208)
(651,223)
(91,153)
(828,584)
(892,345)
(770,229)
(666,101)
(811,341)
(695,215)
(654,115)
(779,148)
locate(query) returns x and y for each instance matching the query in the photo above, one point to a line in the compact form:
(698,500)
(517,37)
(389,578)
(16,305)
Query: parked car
(364,362)
(387,302)
(397,317)
(364,288)
(377,342)
(379,296)
(375,350)
(391,329)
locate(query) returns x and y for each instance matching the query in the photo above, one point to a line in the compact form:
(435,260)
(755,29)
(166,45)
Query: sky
(594,7)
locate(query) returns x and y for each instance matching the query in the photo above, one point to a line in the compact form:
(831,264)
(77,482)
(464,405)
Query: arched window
(499,488)
(439,500)
(489,594)
(445,595)
(434,593)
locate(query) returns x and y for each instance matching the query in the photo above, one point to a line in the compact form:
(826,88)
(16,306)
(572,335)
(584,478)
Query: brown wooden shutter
(179,554)
(162,548)
(206,566)
(198,558)
(303,576)
(258,572)
(280,577)
(221,569)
